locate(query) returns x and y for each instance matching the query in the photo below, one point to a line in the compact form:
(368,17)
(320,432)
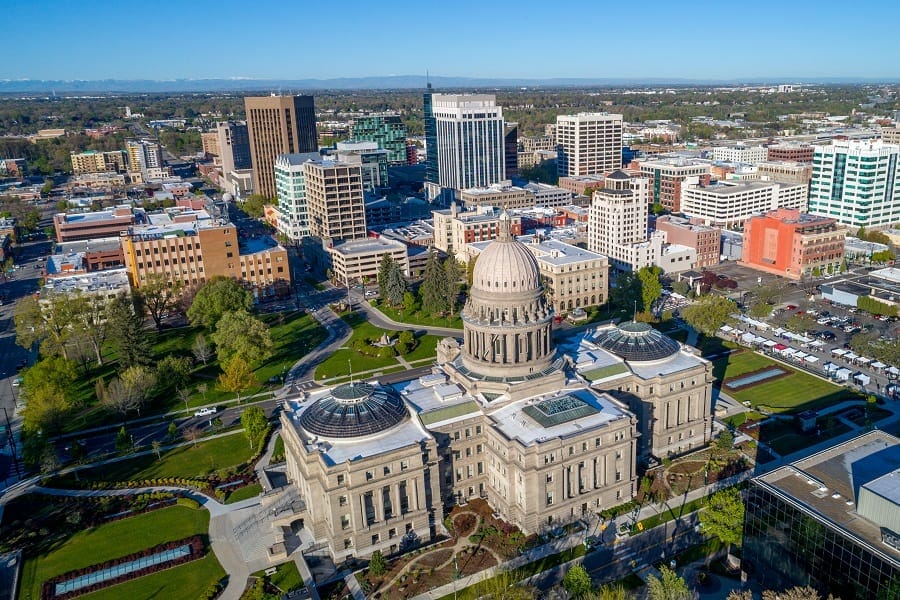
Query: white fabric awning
(817,344)
(800,355)
(851,356)
(788,352)
(726,328)
(878,365)
(839,352)
(862,360)
(811,359)
(893,370)
(769,343)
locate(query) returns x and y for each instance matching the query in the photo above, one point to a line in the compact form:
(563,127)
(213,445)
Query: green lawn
(795,392)
(341,362)
(248,491)
(286,579)
(185,461)
(293,335)
(184,582)
(418,318)
(120,538)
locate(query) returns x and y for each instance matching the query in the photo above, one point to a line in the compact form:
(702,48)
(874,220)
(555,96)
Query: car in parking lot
(205,412)
(371,293)
(827,336)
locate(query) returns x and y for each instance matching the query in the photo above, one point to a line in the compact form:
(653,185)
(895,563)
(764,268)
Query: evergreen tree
(453,273)
(126,330)
(433,291)
(391,281)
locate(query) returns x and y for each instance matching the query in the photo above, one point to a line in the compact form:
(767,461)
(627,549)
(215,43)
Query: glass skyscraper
(387,130)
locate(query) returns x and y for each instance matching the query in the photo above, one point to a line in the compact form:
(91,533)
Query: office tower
(511,149)
(290,186)
(588,143)
(731,203)
(278,125)
(234,146)
(469,147)
(617,222)
(143,155)
(740,153)
(857,183)
(431,154)
(334,200)
(385,129)
(373,162)
(668,176)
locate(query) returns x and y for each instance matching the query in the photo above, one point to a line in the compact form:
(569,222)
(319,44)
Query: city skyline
(776,41)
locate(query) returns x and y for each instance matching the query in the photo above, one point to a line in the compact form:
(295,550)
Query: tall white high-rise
(618,222)
(857,183)
(588,143)
(143,155)
(290,186)
(469,140)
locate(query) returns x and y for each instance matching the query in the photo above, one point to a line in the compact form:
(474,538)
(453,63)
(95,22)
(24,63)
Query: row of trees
(438,292)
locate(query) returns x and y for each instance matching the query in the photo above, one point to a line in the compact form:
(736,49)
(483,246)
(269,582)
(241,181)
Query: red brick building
(705,240)
(791,152)
(792,244)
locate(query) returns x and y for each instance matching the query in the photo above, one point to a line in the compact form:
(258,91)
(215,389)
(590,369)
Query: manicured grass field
(185,461)
(417,318)
(120,538)
(184,582)
(341,362)
(248,491)
(286,579)
(795,392)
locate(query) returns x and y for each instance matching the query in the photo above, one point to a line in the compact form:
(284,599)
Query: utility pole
(11,440)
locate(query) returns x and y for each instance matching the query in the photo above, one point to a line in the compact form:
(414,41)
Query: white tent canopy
(838,352)
(811,359)
(878,365)
(769,343)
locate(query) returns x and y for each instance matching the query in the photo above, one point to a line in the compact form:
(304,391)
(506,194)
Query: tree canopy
(667,587)
(391,281)
(709,314)
(724,517)
(254,422)
(651,286)
(160,296)
(216,297)
(238,333)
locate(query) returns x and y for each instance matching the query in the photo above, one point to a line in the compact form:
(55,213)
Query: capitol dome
(637,342)
(354,410)
(506,266)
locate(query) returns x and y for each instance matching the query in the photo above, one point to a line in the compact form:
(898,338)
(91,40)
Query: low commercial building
(829,521)
(501,194)
(857,249)
(581,185)
(357,261)
(881,285)
(740,153)
(706,241)
(106,285)
(676,258)
(191,247)
(84,226)
(790,152)
(793,244)
(729,204)
(547,195)
(453,229)
(573,277)
(784,171)
(87,256)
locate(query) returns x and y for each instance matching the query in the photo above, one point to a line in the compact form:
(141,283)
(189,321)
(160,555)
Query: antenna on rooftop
(350,366)
(634,318)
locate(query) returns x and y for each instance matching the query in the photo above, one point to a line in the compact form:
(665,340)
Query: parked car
(205,412)
(371,293)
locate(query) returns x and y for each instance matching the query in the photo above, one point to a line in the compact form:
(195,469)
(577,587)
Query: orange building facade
(793,244)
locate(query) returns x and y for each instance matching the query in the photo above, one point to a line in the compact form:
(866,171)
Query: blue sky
(295,39)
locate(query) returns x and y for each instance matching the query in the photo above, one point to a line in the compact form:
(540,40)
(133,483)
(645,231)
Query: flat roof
(552,252)
(828,484)
(89,283)
(92,245)
(367,245)
(595,410)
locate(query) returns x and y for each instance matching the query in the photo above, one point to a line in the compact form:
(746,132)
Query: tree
(724,517)
(174,372)
(236,376)
(577,581)
(453,275)
(709,314)
(409,301)
(391,282)
(129,391)
(651,287)
(801,322)
(760,310)
(240,334)
(668,587)
(608,592)
(218,296)
(172,430)
(126,330)
(123,440)
(377,564)
(771,293)
(795,593)
(201,349)
(681,287)
(254,205)
(470,269)
(160,296)
(46,323)
(725,441)
(255,424)
(192,434)
(433,291)
(88,320)
(626,292)
(45,409)
(157,448)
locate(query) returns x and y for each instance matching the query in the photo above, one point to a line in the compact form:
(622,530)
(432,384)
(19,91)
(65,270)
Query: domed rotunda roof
(354,410)
(637,342)
(506,265)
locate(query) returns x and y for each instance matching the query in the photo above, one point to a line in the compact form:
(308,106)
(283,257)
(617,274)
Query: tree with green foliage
(801,322)
(771,293)
(667,587)
(760,310)
(470,269)
(123,440)
(453,278)
(409,301)
(129,391)
(626,292)
(48,391)
(377,564)
(724,517)
(391,281)
(127,335)
(255,424)
(709,314)
(172,430)
(254,205)
(577,581)
(651,286)
(160,296)
(47,323)
(238,333)
(216,297)
(681,287)
(433,291)
(89,322)
(237,376)
(174,372)
(658,209)
(47,187)
(883,256)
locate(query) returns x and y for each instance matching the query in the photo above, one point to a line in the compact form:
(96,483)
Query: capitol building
(544,434)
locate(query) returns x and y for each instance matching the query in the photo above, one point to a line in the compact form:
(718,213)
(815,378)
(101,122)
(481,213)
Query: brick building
(705,240)
(792,244)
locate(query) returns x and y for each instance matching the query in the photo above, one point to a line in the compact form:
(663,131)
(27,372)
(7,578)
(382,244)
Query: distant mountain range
(395,82)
